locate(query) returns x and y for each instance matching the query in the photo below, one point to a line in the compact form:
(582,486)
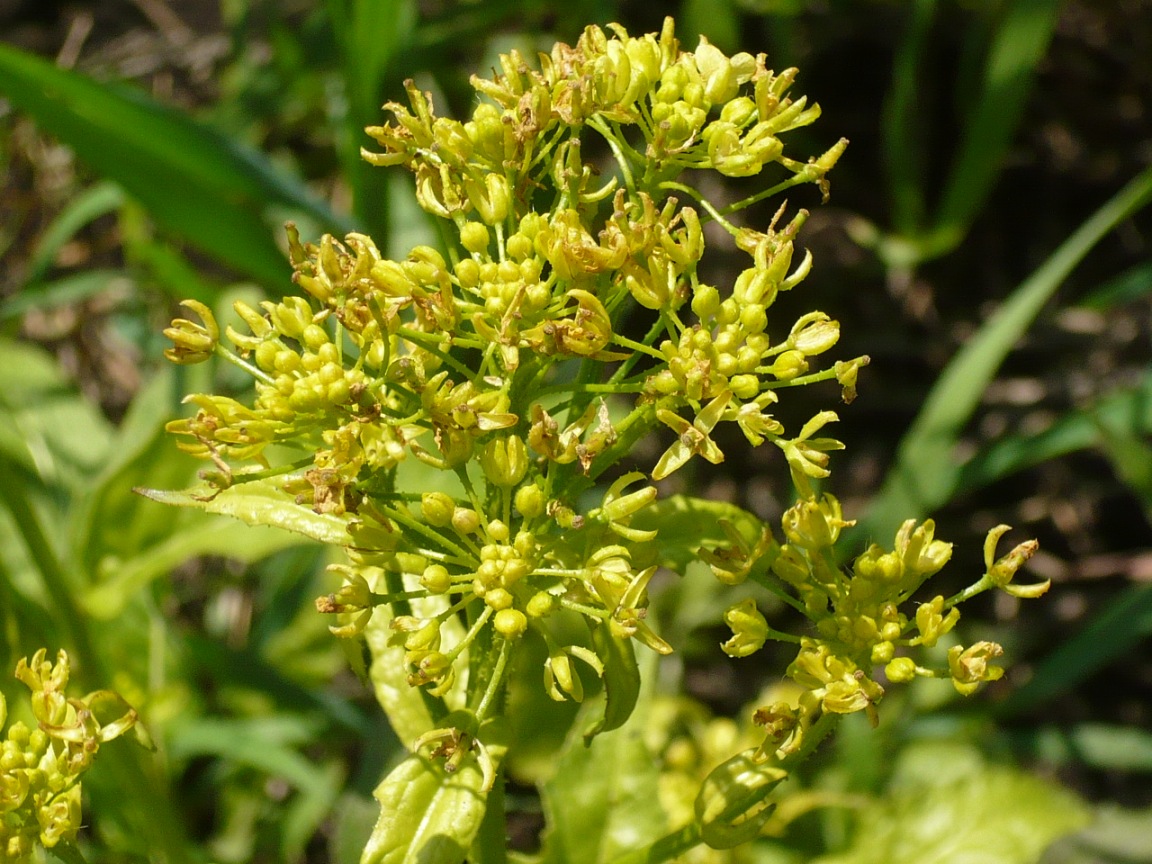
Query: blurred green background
(988,242)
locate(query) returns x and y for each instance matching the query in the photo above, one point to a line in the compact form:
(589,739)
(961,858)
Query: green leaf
(66,290)
(601,801)
(46,426)
(426,814)
(209,536)
(370,34)
(260,502)
(88,205)
(1098,745)
(1116,836)
(621,680)
(686,523)
(944,807)
(925,474)
(903,136)
(1129,286)
(1113,632)
(195,181)
(1128,411)
(1017,48)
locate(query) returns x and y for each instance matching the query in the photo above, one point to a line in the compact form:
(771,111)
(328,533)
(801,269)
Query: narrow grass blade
(90,204)
(925,474)
(369,33)
(1132,284)
(1017,48)
(1115,630)
(902,134)
(194,181)
(1128,410)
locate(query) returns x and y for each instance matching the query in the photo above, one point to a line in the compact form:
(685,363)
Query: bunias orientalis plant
(41,767)
(567,322)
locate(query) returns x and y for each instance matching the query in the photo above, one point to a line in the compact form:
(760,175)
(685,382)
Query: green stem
(495,682)
(407,521)
(795,180)
(625,342)
(621,160)
(718,215)
(259,374)
(637,387)
(800,381)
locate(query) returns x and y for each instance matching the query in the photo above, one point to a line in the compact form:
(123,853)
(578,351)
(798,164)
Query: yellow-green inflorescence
(41,767)
(566,320)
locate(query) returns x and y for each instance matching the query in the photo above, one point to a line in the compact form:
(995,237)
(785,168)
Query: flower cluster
(858,618)
(565,320)
(507,363)
(457,419)
(40,768)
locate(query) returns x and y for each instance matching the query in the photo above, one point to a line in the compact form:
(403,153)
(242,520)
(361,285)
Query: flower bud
(542,604)
(505,461)
(465,521)
(749,629)
(529,501)
(744,386)
(474,237)
(436,579)
(901,670)
(510,623)
(705,302)
(788,365)
(437,509)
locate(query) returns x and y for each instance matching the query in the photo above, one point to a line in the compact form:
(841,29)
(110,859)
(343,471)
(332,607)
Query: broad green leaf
(195,181)
(943,811)
(260,502)
(686,523)
(621,681)
(411,710)
(601,801)
(925,473)
(354,817)
(427,815)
